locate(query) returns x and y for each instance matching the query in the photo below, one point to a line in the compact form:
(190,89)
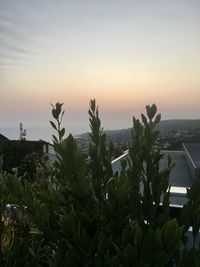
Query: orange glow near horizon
(118,53)
(113,88)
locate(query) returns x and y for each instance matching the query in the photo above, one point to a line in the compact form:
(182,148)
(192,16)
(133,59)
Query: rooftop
(180,176)
(193,151)
(2,137)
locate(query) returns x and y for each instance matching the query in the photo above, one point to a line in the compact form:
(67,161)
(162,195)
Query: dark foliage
(79,216)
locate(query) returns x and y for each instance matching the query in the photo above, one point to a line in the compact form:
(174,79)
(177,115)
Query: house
(48,150)
(42,147)
(16,152)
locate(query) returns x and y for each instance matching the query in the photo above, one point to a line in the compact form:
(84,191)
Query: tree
(22,132)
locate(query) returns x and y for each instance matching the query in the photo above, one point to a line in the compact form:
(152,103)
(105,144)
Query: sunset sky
(123,53)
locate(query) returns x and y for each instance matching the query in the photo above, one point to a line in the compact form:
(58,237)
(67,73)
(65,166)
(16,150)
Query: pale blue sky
(126,54)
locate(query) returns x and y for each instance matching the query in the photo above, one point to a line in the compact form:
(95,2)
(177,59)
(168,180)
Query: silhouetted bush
(93,217)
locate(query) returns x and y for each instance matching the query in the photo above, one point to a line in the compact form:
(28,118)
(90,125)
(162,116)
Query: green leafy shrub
(89,216)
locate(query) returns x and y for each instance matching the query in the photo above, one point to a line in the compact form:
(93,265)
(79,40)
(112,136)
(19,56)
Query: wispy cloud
(16,44)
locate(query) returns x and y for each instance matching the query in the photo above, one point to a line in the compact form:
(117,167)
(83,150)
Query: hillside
(179,125)
(123,135)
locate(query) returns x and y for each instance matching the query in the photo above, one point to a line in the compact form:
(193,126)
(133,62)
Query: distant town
(173,133)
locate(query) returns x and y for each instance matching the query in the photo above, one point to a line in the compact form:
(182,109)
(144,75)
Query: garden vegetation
(77,213)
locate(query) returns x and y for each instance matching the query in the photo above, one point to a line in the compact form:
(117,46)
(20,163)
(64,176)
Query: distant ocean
(39,133)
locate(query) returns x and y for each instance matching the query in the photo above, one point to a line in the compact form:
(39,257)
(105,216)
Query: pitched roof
(2,137)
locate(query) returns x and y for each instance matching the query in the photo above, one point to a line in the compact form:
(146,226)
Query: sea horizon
(39,133)
(45,132)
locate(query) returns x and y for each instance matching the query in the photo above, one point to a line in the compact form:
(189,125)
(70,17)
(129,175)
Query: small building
(48,150)
(16,151)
